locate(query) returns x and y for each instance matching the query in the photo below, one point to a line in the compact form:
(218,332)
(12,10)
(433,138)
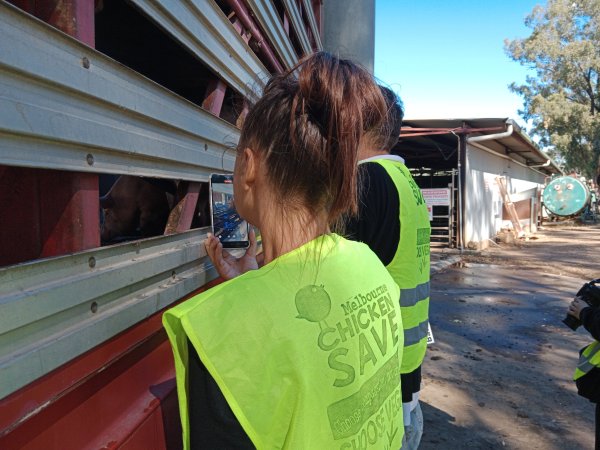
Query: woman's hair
(307,127)
(389,133)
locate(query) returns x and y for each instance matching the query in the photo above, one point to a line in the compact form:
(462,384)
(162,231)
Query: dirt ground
(499,375)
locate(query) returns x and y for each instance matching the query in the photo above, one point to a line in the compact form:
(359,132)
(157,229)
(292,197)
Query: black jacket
(590,318)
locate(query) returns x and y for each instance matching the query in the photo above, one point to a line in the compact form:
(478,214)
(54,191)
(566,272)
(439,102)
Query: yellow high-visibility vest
(410,265)
(589,358)
(306,350)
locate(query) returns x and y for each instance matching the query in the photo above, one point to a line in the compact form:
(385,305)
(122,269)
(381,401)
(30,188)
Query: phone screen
(227,224)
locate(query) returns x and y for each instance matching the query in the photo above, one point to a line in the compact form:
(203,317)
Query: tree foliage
(562,100)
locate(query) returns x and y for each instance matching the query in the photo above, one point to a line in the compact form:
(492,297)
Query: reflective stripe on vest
(306,350)
(410,297)
(410,265)
(589,358)
(413,335)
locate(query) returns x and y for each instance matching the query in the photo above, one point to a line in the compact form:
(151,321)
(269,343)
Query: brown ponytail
(308,125)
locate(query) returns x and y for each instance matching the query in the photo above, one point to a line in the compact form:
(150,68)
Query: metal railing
(64,105)
(202,28)
(295,16)
(268,18)
(55,309)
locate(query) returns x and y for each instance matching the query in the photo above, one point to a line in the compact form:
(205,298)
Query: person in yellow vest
(305,351)
(587,373)
(393,221)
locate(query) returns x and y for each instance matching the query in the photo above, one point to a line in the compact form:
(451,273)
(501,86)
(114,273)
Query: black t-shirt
(378,226)
(378,222)
(212,423)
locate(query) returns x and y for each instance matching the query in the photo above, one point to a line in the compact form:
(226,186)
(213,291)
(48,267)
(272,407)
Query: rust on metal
(237,24)
(74,17)
(182,214)
(215,94)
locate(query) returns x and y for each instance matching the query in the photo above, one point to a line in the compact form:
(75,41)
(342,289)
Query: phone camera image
(227,224)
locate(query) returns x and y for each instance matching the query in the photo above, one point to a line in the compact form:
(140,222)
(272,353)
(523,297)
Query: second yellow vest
(410,265)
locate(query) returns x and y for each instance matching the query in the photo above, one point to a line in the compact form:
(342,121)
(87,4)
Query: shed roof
(518,145)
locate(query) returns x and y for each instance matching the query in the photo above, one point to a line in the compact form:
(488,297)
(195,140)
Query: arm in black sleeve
(378,221)
(212,423)
(590,317)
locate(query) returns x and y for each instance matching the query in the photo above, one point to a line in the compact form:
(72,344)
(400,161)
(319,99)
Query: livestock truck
(93,91)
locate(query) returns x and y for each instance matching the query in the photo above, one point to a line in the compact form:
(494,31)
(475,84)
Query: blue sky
(446,58)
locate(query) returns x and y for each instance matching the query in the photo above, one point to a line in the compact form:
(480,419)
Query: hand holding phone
(227,265)
(227,225)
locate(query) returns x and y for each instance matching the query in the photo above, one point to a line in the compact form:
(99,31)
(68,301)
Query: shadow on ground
(440,431)
(499,375)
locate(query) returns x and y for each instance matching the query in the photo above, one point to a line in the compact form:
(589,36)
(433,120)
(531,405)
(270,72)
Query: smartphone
(227,224)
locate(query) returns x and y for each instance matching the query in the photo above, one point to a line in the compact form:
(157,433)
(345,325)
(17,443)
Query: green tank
(566,196)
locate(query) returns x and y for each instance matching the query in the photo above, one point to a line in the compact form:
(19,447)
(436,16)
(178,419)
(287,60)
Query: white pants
(414,430)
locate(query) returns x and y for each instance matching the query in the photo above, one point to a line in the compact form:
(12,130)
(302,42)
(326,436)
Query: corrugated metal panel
(294,14)
(56,309)
(66,106)
(202,28)
(310,14)
(269,20)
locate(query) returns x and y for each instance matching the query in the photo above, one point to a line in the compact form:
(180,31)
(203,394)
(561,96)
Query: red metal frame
(237,24)
(69,218)
(215,95)
(63,207)
(286,23)
(74,17)
(60,210)
(264,49)
(182,215)
(317,6)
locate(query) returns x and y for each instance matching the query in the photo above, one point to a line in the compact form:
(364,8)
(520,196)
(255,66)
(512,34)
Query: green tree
(562,100)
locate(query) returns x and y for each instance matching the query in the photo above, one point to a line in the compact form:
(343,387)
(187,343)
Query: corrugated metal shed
(517,146)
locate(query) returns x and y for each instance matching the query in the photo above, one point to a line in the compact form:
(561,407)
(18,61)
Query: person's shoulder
(373,168)
(197,300)
(376,177)
(347,247)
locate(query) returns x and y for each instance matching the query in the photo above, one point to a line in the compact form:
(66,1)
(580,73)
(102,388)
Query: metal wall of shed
(483,202)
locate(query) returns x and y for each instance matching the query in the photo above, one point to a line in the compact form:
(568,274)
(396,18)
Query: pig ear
(107,202)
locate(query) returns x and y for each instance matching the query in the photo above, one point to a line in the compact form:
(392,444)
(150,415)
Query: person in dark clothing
(588,315)
(378,225)
(590,318)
